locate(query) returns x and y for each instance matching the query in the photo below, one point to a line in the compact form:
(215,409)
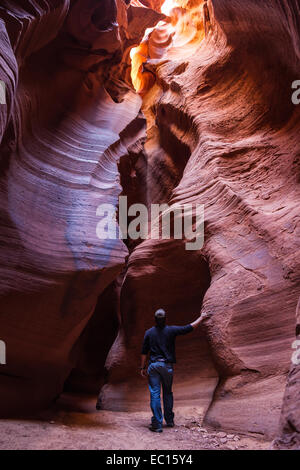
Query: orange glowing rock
(139,56)
(183,27)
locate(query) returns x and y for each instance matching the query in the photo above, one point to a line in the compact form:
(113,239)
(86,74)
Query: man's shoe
(171,425)
(153,429)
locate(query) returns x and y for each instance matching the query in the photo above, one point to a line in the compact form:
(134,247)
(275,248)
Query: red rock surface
(59,157)
(289,438)
(218,128)
(222,131)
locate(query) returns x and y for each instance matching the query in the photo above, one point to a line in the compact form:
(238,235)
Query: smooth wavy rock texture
(223,132)
(290,418)
(59,156)
(184,105)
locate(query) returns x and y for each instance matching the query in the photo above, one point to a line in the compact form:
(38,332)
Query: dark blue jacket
(161,342)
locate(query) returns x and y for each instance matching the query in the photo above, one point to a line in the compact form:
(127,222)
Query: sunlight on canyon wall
(176,36)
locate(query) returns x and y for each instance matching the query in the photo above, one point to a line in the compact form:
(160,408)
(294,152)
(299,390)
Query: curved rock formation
(289,438)
(227,139)
(59,155)
(190,104)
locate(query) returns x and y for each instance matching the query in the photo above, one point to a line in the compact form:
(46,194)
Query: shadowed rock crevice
(94,344)
(159,267)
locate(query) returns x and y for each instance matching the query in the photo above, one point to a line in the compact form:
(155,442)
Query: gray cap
(160,313)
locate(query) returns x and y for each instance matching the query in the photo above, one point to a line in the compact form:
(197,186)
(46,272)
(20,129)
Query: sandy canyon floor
(74,424)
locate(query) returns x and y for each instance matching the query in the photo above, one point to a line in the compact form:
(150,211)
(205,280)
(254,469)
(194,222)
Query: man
(160,342)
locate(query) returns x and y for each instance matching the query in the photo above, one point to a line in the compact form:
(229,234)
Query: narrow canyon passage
(162,102)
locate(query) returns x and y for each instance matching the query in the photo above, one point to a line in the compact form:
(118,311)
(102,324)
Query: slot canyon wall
(190,105)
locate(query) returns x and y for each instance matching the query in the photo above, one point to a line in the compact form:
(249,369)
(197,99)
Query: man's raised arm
(199,320)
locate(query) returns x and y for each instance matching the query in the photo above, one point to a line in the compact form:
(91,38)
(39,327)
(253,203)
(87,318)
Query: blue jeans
(161,374)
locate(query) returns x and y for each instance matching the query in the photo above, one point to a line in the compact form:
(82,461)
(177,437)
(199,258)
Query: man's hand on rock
(204,315)
(200,320)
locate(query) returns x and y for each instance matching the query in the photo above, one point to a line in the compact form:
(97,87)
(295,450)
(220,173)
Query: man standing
(160,342)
